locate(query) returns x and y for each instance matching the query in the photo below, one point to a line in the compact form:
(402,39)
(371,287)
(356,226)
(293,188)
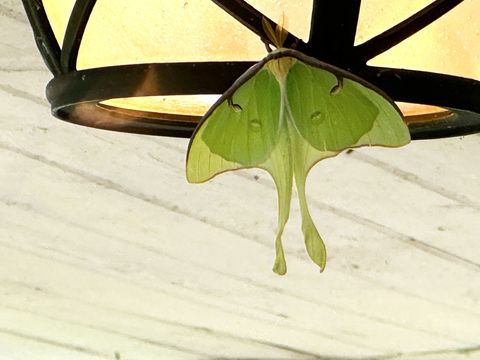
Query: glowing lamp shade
(155,66)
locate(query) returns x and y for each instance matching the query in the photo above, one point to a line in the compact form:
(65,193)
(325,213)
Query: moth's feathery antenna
(278,36)
(281,30)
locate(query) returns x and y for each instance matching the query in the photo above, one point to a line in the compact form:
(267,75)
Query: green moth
(283,115)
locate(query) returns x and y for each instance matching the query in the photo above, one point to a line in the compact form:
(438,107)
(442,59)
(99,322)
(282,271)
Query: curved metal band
(76,96)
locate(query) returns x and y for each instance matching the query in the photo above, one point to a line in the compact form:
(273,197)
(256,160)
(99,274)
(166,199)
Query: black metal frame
(75,96)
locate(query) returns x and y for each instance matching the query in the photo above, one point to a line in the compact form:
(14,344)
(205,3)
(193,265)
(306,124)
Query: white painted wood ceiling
(105,248)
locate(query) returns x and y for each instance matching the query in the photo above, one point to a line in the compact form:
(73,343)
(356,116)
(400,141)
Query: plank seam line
(23,94)
(42,340)
(415,179)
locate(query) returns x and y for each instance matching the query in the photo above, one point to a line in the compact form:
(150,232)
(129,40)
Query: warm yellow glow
(175,104)
(128,32)
(418,113)
(297,14)
(58,13)
(450,45)
(377,16)
(197,105)
(409,109)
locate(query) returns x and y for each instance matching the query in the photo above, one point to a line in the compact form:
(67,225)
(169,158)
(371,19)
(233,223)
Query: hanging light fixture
(155,66)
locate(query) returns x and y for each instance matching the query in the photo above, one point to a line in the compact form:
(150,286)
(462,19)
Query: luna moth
(285,114)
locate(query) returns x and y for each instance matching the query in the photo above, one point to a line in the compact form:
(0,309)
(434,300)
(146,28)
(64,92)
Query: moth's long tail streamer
(313,242)
(304,156)
(280,168)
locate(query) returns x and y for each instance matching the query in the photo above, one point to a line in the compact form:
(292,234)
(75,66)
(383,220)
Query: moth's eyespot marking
(234,107)
(337,88)
(317,118)
(255,125)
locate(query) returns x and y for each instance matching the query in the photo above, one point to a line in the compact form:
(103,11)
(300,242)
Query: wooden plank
(68,203)
(113,212)
(154,308)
